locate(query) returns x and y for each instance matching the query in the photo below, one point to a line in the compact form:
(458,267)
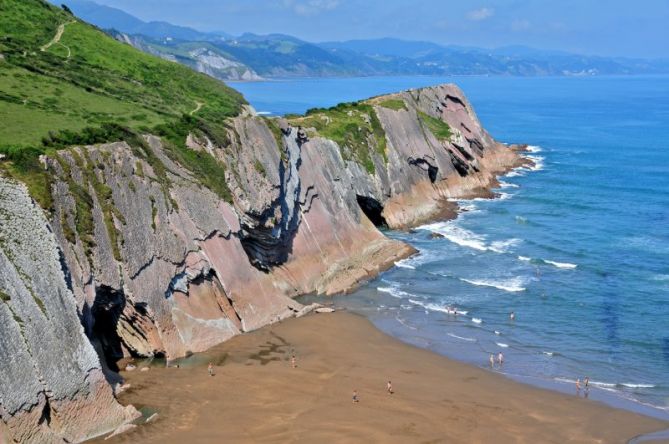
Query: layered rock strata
(140,259)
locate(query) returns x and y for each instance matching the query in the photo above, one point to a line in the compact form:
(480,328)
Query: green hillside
(65,82)
(87,78)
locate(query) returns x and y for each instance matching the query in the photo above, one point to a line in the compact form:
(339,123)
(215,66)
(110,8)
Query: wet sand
(256,395)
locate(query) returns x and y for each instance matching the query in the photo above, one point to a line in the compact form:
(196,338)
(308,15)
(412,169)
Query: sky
(638,28)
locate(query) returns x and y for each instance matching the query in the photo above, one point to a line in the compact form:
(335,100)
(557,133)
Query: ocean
(577,247)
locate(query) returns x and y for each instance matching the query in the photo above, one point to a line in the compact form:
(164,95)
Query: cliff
(142,256)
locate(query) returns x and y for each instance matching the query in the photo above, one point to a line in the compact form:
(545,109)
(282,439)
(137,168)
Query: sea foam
(511,285)
(564,265)
(452,335)
(469,239)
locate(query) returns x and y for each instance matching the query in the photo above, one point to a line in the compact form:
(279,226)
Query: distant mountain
(385,47)
(252,56)
(106,17)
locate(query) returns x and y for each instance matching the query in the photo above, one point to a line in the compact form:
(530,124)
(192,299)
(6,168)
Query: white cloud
(480,14)
(310,7)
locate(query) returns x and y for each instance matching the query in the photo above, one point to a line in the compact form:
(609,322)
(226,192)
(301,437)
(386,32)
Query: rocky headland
(137,257)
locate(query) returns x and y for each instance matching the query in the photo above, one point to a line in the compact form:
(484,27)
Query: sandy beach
(257,396)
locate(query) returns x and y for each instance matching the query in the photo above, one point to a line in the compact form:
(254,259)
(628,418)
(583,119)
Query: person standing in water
(578,385)
(512,316)
(492,360)
(500,359)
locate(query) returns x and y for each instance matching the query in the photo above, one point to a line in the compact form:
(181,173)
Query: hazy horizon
(585,27)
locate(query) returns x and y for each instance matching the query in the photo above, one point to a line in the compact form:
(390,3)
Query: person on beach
(492,360)
(293,361)
(210,369)
(500,359)
(389,387)
(512,316)
(355,397)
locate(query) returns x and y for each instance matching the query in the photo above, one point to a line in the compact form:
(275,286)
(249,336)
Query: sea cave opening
(373,209)
(105,314)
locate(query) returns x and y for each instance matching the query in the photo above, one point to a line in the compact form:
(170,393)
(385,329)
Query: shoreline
(257,396)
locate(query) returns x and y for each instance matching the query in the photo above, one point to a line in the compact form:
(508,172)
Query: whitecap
(394,292)
(477,320)
(501,344)
(521,220)
(511,285)
(538,163)
(462,338)
(534,149)
(436,307)
(548,353)
(516,172)
(264,113)
(507,185)
(469,208)
(602,384)
(498,332)
(504,196)
(469,239)
(564,265)
(403,264)
(524,258)
(457,235)
(630,385)
(503,246)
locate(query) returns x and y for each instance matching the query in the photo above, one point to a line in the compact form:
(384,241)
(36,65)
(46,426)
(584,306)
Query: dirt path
(197,108)
(56,39)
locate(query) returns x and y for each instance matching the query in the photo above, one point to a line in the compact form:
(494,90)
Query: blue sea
(577,247)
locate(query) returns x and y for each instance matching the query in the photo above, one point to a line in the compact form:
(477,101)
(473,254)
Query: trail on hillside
(56,39)
(197,108)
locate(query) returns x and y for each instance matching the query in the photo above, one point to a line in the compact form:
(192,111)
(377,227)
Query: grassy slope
(88,88)
(354,126)
(102,81)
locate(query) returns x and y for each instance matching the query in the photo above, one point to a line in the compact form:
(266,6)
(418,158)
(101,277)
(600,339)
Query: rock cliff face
(140,259)
(51,383)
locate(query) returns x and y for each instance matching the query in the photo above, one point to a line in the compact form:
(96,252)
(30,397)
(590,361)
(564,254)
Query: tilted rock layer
(165,267)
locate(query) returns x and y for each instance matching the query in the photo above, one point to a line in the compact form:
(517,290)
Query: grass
(259,168)
(273,126)
(209,171)
(394,104)
(354,126)
(105,91)
(440,129)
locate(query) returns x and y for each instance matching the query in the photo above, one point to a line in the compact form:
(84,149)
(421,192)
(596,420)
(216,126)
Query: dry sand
(256,395)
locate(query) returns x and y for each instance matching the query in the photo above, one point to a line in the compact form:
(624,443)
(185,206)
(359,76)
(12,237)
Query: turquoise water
(578,247)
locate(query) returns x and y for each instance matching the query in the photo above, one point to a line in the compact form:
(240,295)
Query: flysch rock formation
(52,388)
(168,268)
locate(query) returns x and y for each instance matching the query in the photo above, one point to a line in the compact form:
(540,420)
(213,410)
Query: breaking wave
(469,239)
(511,285)
(461,337)
(564,265)
(394,292)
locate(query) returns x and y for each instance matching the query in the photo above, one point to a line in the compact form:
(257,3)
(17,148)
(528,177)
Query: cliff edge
(139,258)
